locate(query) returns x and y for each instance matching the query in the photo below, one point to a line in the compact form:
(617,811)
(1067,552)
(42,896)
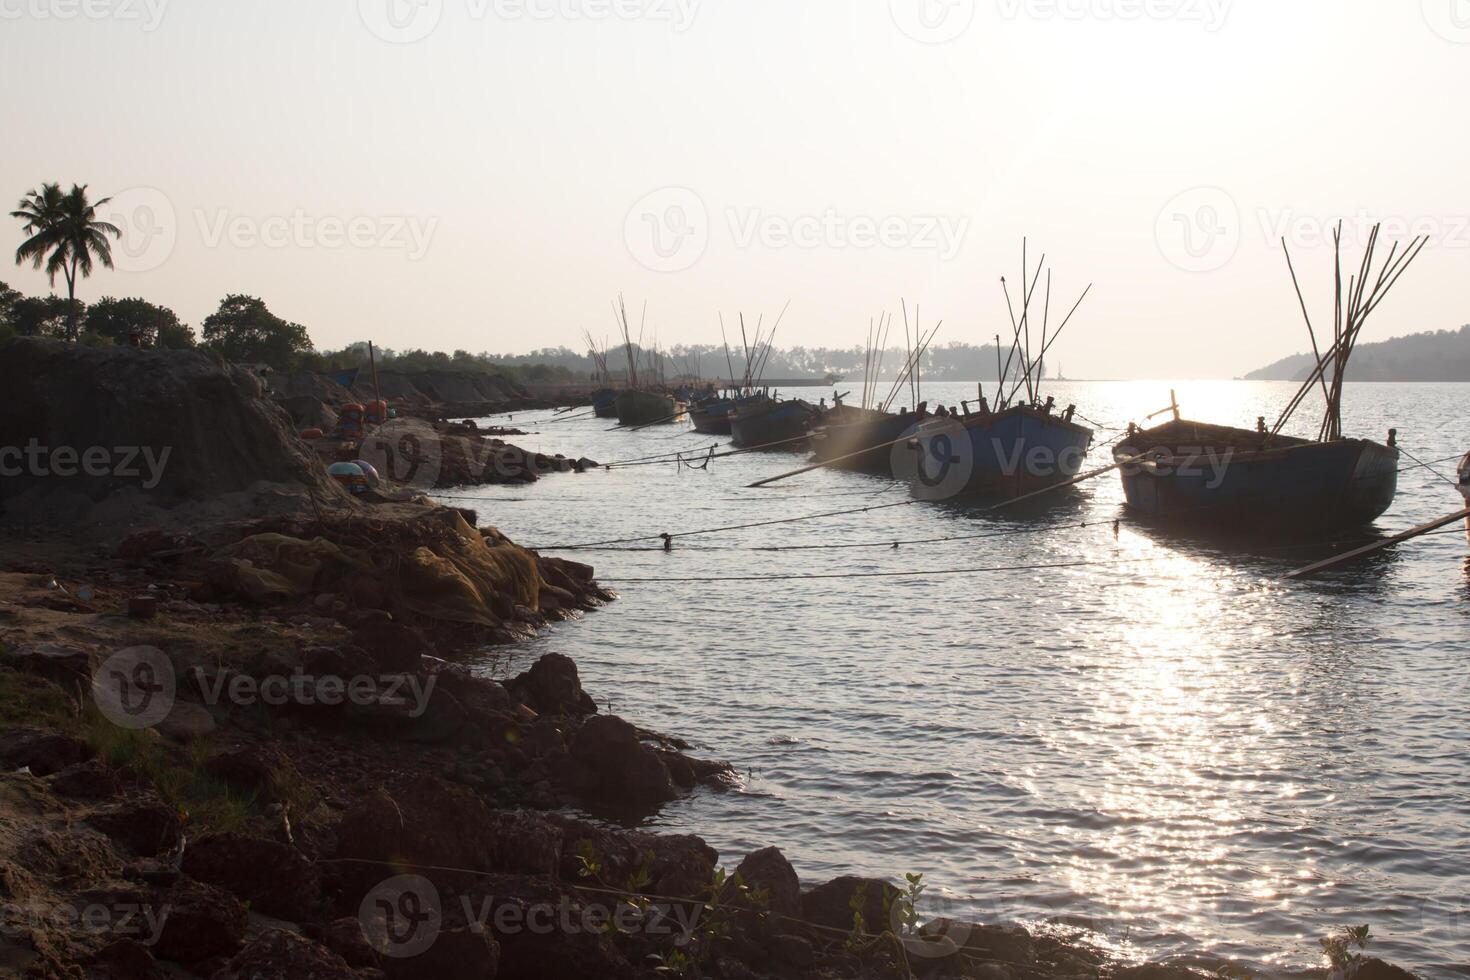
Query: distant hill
(1436,355)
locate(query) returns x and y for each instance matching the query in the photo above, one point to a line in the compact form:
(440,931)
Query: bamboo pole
(1413,532)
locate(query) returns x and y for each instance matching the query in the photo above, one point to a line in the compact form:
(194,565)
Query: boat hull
(865,445)
(1007,453)
(783,425)
(712,418)
(605,403)
(1296,486)
(1464,474)
(645,407)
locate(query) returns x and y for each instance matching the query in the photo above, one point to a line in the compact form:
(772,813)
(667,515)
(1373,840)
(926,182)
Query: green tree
(43,316)
(157,326)
(63,233)
(243,329)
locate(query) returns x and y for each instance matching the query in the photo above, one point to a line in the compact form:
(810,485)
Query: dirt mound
(121,438)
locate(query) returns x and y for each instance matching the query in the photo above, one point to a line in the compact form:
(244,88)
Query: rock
(552,687)
(44,752)
(272,877)
(1009,944)
(608,766)
(423,821)
(790,951)
(277,953)
(58,662)
(146,826)
(768,869)
(187,722)
(122,959)
(455,954)
(1372,968)
(345,938)
(527,954)
(678,865)
(199,921)
(831,904)
(524,842)
(423,715)
(396,648)
(263,770)
(90,780)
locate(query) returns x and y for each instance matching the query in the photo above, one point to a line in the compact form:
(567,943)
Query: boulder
(1012,944)
(277,953)
(525,842)
(44,752)
(455,954)
(678,865)
(199,922)
(146,825)
(122,959)
(552,687)
(609,767)
(345,938)
(422,821)
(90,780)
(555,954)
(831,904)
(1372,968)
(272,877)
(394,647)
(263,770)
(767,869)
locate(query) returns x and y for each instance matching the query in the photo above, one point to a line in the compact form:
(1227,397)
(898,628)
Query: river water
(1169,749)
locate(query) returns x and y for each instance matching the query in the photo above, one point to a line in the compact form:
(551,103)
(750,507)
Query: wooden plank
(1413,532)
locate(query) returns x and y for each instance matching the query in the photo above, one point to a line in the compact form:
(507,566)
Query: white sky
(520,140)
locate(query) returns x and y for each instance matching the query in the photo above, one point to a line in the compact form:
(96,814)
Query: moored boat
(641,406)
(711,413)
(1218,475)
(1017,450)
(763,421)
(605,403)
(862,438)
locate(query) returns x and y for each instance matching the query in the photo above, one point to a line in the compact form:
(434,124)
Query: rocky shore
(245,732)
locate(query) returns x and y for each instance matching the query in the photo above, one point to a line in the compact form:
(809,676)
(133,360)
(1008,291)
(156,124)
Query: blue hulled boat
(1219,475)
(710,413)
(862,438)
(760,421)
(1007,453)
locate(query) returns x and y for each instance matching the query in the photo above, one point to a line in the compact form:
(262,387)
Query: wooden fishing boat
(1219,475)
(711,414)
(644,407)
(1196,473)
(1017,450)
(605,403)
(763,421)
(862,438)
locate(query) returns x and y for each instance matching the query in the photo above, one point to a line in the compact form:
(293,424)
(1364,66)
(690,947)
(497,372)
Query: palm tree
(64,233)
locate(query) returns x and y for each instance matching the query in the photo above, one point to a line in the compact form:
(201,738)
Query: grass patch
(28,701)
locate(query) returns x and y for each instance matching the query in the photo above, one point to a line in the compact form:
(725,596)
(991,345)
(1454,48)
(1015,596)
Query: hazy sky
(489,174)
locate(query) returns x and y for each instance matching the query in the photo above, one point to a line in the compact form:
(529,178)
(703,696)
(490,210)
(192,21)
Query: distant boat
(1219,475)
(605,403)
(867,432)
(1007,453)
(643,407)
(761,421)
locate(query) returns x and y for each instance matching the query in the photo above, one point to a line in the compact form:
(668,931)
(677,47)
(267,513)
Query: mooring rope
(924,573)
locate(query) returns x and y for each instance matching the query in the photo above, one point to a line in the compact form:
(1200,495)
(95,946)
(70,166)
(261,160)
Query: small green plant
(1344,947)
(908,903)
